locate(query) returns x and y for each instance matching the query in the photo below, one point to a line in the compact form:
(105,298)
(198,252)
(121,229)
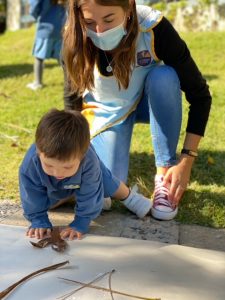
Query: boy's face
(57,168)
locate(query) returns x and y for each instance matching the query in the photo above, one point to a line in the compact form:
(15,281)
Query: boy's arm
(89,198)
(35,201)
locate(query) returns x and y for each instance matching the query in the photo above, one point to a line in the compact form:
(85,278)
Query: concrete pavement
(118,224)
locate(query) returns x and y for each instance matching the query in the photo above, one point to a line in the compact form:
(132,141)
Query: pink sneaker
(162,208)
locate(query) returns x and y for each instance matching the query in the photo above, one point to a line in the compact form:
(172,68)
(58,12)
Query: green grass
(20,108)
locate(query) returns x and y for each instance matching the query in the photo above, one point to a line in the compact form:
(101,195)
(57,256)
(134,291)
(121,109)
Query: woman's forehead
(94,10)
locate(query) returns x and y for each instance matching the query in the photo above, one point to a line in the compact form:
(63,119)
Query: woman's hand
(38,233)
(71,234)
(177,177)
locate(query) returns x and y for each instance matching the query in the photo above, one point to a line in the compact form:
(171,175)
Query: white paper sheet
(143,268)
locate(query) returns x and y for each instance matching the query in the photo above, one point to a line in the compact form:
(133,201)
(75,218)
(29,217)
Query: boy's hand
(39,233)
(70,233)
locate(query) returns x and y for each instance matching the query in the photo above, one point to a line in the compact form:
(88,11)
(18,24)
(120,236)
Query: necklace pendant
(109,69)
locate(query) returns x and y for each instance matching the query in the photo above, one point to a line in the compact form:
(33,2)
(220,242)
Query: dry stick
(13,286)
(108,290)
(110,283)
(6,136)
(18,127)
(84,285)
(4,95)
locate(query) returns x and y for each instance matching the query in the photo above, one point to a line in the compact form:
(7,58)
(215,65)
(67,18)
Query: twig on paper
(89,285)
(110,283)
(84,285)
(46,269)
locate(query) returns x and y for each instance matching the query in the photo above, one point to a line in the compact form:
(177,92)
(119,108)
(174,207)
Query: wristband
(189,152)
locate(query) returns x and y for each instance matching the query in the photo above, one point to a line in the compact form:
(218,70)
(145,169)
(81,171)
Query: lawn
(21,109)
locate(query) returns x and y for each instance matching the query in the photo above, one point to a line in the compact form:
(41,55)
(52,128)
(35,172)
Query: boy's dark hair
(63,135)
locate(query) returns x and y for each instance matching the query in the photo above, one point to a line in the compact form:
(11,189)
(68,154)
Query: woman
(125,64)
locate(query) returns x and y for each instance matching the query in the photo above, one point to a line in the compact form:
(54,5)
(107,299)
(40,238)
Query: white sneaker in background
(137,203)
(107,203)
(162,208)
(34,86)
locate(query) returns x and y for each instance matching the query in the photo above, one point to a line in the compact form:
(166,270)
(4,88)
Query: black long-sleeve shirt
(173,51)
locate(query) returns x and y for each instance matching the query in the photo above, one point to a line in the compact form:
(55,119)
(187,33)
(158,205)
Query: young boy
(62,163)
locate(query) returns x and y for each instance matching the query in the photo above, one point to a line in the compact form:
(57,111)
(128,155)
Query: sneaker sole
(162,215)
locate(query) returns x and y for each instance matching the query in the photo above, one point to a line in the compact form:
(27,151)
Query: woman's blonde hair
(80,54)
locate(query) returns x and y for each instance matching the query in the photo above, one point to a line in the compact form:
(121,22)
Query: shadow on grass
(143,165)
(9,71)
(209,77)
(204,207)
(207,173)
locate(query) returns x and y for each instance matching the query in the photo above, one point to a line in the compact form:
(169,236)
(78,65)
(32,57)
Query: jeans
(161,107)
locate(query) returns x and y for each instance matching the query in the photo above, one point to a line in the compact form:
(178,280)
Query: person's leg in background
(38,71)
(43,49)
(162,95)
(38,75)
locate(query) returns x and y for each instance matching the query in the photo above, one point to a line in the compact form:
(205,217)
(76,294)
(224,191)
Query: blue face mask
(108,39)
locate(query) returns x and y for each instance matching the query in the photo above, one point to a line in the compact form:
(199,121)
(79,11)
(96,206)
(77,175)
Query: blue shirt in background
(50,18)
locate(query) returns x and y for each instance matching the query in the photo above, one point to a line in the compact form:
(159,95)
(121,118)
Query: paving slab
(147,269)
(109,223)
(7,209)
(117,224)
(199,236)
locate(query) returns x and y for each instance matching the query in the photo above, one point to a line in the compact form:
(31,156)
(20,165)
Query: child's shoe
(137,203)
(107,203)
(162,208)
(34,86)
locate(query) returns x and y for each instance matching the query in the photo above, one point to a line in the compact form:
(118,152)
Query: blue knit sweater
(40,191)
